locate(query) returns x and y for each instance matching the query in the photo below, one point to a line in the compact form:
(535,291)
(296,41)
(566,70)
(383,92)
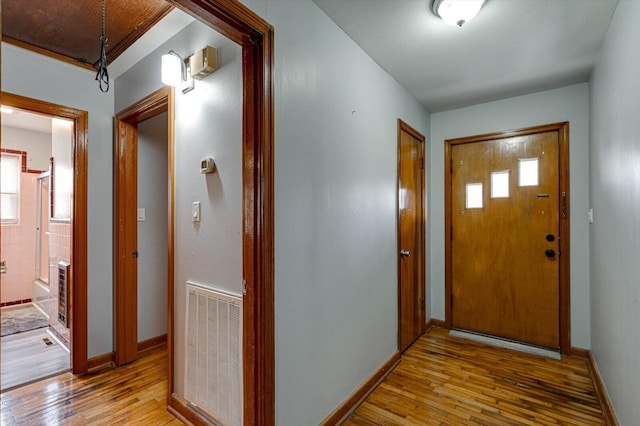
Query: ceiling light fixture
(457,12)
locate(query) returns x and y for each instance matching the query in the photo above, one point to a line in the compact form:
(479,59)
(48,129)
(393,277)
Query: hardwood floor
(29,356)
(133,395)
(442,380)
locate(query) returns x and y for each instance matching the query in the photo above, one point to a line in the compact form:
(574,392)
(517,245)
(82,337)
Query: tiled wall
(18,246)
(59,250)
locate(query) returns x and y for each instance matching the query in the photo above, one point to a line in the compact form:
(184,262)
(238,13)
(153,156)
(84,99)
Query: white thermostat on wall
(207,165)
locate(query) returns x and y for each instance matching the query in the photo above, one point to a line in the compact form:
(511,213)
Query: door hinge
(421,166)
(244,287)
(451,165)
(452,233)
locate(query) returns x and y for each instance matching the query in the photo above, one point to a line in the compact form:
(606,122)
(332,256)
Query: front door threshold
(507,344)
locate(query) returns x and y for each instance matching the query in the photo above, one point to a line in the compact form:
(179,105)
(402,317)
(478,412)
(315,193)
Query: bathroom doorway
(37,248)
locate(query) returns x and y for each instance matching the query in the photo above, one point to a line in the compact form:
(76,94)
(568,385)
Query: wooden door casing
(557,142)
(411,236)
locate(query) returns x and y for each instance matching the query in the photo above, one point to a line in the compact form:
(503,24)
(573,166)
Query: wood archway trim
(78,290)
(256,36)
(563,167)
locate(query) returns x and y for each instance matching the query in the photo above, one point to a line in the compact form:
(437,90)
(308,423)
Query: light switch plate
(590,215)
(195,211)
(142,215)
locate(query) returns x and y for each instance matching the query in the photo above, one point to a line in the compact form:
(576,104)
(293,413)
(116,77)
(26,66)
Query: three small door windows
(528,175)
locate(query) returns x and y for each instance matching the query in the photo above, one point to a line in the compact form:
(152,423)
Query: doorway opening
(43,289)
(157,108)
(507,227)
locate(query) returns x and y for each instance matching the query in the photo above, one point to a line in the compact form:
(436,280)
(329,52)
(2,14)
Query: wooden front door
(410,235)
(505,215)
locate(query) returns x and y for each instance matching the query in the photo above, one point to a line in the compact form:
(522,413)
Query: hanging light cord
(103,75)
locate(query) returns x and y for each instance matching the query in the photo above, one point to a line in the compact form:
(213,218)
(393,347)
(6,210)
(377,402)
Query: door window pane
(500,184)
(474,195)
(528,172)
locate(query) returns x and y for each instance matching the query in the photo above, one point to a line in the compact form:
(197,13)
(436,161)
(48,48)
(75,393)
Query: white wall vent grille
(213,361)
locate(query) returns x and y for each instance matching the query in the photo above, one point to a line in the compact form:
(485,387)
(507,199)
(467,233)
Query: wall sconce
(175,72)
(178,72)
(457,12)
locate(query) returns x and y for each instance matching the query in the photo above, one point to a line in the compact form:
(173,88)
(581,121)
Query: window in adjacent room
(10,165)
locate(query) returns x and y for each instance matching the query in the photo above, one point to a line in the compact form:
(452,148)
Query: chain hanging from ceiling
(103,75)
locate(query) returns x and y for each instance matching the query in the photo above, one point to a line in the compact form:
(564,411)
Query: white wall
(208,123)
(615,197)
(29,74)
(37,145)
(152,232)
(335,180)
(571,104)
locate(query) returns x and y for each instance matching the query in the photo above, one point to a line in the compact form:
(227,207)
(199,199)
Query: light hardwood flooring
(26,357)
(442,380)
(134,394)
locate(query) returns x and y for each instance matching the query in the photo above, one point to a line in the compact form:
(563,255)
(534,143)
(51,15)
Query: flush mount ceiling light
(457,12)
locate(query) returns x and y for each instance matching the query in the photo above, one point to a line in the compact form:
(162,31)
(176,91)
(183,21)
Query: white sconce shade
(457,12)
(172,70)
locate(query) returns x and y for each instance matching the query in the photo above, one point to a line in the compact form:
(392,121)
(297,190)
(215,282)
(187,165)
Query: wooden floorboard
(442,380)
(25,357)
(134,394)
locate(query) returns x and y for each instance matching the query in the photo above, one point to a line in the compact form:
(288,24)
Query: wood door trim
(237,22)
(404,127)
(564,242)
(126,343)
(79,363)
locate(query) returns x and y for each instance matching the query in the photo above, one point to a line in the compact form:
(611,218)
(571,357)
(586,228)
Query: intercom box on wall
(203,62)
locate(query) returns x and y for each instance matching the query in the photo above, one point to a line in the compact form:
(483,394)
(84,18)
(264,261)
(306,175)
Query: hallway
(446,380)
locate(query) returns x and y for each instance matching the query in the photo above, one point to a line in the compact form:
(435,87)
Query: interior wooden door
(126,242)
(410,235)
(505,211)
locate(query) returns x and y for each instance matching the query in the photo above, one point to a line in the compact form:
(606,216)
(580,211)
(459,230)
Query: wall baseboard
(354,400)
(603,396)
(108,360)
(186,415)
(579,352)
(152,343)
(435,323)
(100,361)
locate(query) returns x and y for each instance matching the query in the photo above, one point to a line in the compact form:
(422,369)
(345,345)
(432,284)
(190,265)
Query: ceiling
(71,29)
(512,47)
(26,120)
